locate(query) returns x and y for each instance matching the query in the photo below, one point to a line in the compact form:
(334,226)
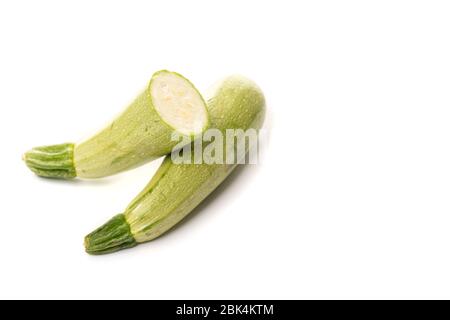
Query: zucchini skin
(176,189)
(138,135)
(135,137)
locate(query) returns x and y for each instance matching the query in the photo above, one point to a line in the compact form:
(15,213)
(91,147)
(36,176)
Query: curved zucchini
(140,134)
(176,189)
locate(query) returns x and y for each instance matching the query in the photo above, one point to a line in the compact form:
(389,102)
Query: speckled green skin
(136,136)
(176,189)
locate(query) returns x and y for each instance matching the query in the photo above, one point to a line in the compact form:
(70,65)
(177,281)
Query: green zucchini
(140,134)
(176,189)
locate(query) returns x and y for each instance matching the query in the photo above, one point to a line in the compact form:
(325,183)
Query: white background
(351,200)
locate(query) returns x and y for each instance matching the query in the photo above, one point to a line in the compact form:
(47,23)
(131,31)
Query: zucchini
(140,134)
(176,189)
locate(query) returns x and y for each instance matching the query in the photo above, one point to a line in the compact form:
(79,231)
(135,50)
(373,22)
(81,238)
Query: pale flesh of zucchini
(140,134)
(179,104)
(176,189)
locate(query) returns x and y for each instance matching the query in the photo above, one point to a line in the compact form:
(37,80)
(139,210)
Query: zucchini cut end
(114,235)
(54,161)
(178,103)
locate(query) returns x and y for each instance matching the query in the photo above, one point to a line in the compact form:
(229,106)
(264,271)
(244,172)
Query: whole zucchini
(140,134)
(176,189)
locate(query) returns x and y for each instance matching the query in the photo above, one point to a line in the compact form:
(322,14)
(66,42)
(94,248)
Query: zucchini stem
(114,235)
(55,161)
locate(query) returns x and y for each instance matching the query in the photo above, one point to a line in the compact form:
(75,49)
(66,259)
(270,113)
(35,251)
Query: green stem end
(54,161)
(114,235)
